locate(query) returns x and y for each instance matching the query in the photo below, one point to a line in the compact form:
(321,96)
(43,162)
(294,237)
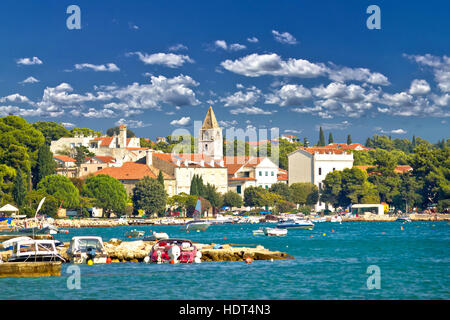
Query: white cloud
(250,111)
(398,131)
(289,95)
(249,97)
(29,80)
(170,60)
(255,65)
(178,47)
(419,87)
(222,44)
(227,124)
(342,74)
(184,121)
(15,98)
(132,123)
(94,113)
(28,61)
(68,124)
(284,37)
(440,67)
(253,39)
(109,67)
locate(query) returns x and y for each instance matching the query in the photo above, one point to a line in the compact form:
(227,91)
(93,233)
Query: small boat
(134,233)
(296,224)
(322,219)
(35,251)
(403,219)
(220,219)
(156,236)
(8,244)
(87,248)
(275,232)
(258,232)
(336,219)
(174,251)
(197,224)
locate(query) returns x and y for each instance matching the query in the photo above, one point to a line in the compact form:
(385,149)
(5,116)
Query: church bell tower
(210,141)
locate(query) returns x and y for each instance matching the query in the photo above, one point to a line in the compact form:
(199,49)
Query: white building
(313,164)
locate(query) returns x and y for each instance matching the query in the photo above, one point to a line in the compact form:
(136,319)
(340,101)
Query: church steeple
(210,121)
(210,142)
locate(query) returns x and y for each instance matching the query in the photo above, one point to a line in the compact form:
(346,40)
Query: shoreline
(111,222)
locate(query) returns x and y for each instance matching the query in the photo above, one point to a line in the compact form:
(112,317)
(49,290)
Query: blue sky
(294,65)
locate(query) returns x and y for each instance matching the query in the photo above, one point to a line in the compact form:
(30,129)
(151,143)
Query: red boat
(174,251)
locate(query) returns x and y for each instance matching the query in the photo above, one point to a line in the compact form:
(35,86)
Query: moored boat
(35,251)
(156,236)
(134,233)
(197,224)
(174,251)
(403,219)
(275,232)
(87,249)
(258,232)
(296,224)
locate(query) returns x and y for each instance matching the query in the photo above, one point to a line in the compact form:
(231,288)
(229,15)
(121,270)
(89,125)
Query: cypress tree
(413,141)
(45,165)
(305,142)
(194,186)
(349,139)
(20,188)
(321,142)
(330,138)
(161,178)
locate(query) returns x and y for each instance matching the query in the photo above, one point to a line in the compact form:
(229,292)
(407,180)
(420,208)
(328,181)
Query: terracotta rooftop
(128,171)
(290,136)
(63,158)
(352,146)
(192,158)
(235,163)
(104,159)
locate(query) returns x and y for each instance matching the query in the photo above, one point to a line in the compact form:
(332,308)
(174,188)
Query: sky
(293,65)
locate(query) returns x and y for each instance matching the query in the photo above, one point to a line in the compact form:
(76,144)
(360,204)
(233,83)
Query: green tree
(20,188)
(61,188)
(214,197)
(253,196)
(304,193)
(49,207)
(108,193)
(349,139)
(281,189)
(321,141)
(149,195)
(408,195)
(330,138)
(51,130)
(7,178)
(45,165)
(232,199)
(161,178)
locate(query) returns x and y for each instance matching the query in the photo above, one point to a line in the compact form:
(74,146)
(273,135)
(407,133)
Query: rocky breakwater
(136,251)
(89,223)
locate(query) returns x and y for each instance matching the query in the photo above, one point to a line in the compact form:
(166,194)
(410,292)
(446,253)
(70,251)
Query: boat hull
(295,226)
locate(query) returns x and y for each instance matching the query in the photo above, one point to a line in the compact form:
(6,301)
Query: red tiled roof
(63,158)
(282,175)
(106,141)
(235,163)
(128,171)
(104,159)
(290,136)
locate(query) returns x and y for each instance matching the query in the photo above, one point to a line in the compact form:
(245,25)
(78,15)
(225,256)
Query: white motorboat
(156,236)
(322,219)
(84,249)
(134,233)
(296,224)
(275,232)
(35,251)
(8,244)
(336,219)
(258,232)
(403,219)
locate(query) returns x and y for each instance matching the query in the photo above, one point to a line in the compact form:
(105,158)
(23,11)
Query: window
(267,173)
(99,168)
(272,173)
(267,187)
(260,173)
(85,169)
(206,147)
(238,189)
(320,171)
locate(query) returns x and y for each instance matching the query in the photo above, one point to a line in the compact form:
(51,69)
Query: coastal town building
(65,166)
(289,137)
(313,164)
(244,172)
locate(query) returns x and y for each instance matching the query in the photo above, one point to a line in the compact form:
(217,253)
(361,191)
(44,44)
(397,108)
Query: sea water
(333,261)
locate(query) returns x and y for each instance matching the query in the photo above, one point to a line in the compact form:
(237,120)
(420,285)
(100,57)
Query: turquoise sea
(414,263)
